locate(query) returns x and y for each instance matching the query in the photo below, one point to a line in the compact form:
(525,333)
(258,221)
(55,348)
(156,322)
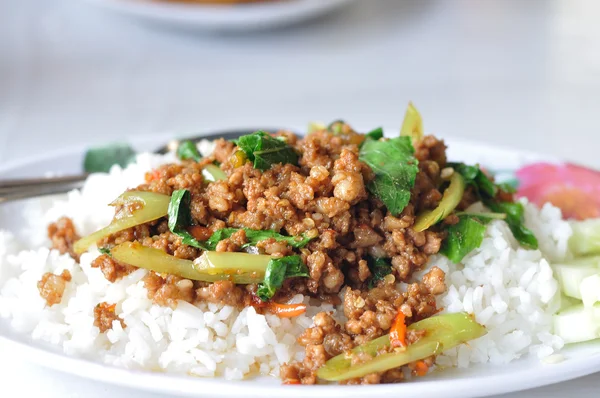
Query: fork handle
(27,188)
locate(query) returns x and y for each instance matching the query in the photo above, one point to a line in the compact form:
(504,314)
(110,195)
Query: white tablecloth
(515,73)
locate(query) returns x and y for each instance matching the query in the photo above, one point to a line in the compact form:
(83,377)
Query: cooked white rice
(510,290)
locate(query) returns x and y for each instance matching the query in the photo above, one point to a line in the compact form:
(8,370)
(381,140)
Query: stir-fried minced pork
(324,197)
(104,315)
(63,235)
(52,286)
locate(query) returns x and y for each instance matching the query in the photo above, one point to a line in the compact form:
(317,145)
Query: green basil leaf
(104,250)
(379,267)
(374,134)
(474,176)
(179,218)
(217,236)
(395,169)
(278,270)
(515,220)
(253,237)
(470,173)
(188,150)
(482,216)
(509,186)
(264,150)
(487,190)
(463,237)
(101,159)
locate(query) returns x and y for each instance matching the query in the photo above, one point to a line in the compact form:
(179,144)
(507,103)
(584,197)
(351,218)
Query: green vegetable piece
(151,206)
(374,134)
(442,333)
(104,250)
(188,150)
(509,186)
(395,170)
(463,237)
(264,150)
(316,126)
(474,176)
(482,216)
(336,127)
(179,218)
(380,267)
(133,253)
(515,220)
(101,159)
(278,270)
(413,124)
(253,237)
(487,191)
(238,267)
(213,173)
(452,197)
(586,237)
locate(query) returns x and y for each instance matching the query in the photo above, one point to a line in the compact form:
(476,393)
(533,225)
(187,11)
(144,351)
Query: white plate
(237,17)
(580,360)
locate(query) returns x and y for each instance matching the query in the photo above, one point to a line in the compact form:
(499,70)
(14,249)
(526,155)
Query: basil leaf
(515,220)
(101,159)
(395,169)
(487,191)
(509,186)
(179,218)
(374,134)
(188,150)
(474,176)
(217,236)
(104,250)
(278,270)
(254,236)
(379,267)
(463,237)
(482,216)
(264,150)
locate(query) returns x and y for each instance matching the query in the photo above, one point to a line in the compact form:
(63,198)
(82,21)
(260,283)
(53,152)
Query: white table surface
(520,73)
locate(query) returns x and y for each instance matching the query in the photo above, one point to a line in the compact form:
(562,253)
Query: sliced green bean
(413,123)
(452,197)
(228,263)
(213,173)
(150,206)
(133,253)
(442,332)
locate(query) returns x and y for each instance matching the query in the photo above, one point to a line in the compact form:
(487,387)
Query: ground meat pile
(323,196)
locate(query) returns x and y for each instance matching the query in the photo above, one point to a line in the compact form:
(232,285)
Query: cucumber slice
(586,237)
(567,302)
(572,274)
(590,290)
(578,324)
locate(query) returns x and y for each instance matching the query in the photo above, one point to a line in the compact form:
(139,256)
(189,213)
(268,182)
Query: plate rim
(226,17)
(34,352)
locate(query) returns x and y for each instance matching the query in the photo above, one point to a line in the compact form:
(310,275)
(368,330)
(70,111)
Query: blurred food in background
(213,2)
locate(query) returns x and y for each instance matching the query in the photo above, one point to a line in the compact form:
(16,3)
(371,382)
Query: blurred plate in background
(222,17)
